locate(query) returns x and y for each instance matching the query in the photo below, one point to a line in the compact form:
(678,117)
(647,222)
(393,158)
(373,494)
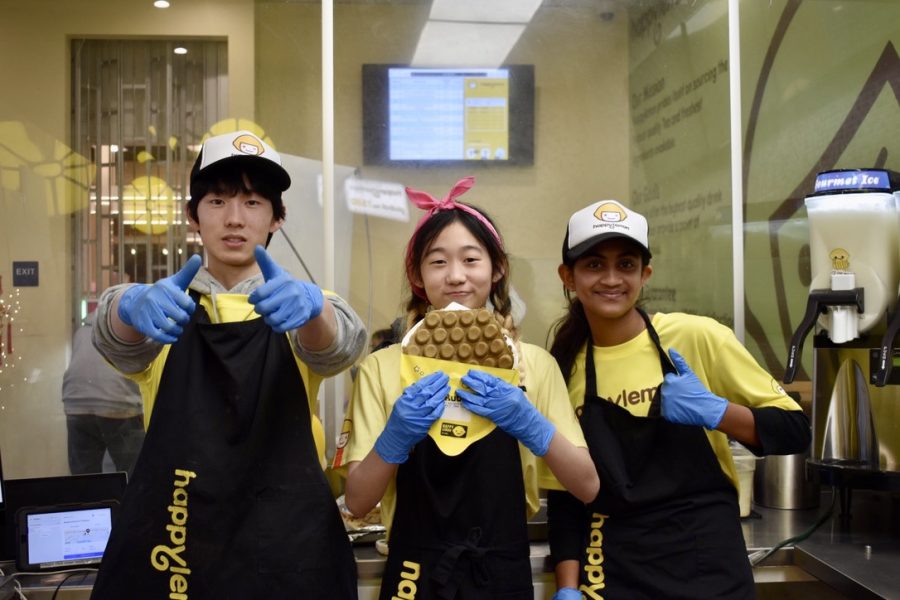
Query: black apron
(666,522)
(459,529)
(228,499)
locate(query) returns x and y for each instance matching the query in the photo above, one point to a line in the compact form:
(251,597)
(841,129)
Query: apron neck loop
(200,315)
(664,361)
(590,373)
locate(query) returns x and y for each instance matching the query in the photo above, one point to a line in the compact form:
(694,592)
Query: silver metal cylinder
(783,482)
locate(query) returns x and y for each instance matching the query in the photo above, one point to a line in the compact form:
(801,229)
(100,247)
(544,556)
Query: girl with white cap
(657,397)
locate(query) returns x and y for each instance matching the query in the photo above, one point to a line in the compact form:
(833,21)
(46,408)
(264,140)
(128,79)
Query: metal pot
(785,482)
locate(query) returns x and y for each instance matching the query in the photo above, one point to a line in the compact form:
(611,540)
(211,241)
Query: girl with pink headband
(457,524)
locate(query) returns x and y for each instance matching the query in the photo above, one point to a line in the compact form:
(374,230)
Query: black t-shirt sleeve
(781,431)
(567,521)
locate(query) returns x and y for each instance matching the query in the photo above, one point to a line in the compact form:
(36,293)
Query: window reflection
(631,102)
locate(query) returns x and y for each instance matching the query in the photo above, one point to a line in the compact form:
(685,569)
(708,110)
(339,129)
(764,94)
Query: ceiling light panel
(444,44)
(480,11)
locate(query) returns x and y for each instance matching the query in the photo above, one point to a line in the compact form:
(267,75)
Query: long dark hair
(570,334)
(417,306)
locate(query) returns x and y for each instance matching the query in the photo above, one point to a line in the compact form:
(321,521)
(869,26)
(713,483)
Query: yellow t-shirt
(629,373)
(378,385)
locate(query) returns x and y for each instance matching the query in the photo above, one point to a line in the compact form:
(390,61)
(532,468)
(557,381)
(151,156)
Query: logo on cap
(610,212)
(248,144)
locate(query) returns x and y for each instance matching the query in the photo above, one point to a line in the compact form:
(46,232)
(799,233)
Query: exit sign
(25,273)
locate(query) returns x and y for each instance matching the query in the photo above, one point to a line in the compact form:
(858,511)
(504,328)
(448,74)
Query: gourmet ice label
(852,180)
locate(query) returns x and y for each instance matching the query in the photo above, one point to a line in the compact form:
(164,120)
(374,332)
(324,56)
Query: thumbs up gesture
(686,400)
(284,302)
(160,311)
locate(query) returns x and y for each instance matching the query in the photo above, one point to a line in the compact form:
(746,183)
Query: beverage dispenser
(854,242)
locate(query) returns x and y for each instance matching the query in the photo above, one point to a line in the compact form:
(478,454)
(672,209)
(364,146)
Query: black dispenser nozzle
(818,301)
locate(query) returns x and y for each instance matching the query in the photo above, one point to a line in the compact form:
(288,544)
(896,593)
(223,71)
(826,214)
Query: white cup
(745,466)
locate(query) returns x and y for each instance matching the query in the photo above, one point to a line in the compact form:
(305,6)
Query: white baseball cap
(242,147)
(603,220)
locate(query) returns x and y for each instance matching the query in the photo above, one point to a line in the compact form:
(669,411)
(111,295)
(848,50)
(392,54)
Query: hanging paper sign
(376,198)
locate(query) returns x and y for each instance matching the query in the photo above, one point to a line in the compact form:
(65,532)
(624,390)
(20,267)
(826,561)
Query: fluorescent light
(472,33)
(445,44)
(180,50)
(707,16)
(479,11)
(161,4)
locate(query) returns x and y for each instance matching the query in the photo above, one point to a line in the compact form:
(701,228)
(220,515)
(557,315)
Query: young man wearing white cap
(657,397)
(228,499)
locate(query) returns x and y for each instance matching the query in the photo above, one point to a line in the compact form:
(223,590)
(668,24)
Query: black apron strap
(664,361)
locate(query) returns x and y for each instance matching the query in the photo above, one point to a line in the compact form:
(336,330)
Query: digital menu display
(448,116)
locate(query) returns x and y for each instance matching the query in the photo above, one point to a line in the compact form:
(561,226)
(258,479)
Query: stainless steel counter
(835,554)
(856,554)
(855,557)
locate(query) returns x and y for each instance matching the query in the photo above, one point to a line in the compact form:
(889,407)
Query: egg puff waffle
(454,340)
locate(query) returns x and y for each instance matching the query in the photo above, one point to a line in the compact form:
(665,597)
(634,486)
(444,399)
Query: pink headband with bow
(431,205)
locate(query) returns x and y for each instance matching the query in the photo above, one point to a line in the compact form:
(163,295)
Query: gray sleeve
(127,358)
(348,345)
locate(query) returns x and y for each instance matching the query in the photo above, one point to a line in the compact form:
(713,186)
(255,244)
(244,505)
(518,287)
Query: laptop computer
(56,538)
(52,491)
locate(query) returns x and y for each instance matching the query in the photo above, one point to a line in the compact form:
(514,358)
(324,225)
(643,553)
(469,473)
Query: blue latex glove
(507,406)
(567,593)
(686,400)
(161,310)
(420,405)
(285,303)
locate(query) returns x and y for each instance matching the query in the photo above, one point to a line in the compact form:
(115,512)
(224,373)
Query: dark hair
(570,334)
(228,177)
(417,306)
(386,337)
(645,254)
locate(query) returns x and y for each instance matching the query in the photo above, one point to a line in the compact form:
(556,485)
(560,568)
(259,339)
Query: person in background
(382,338)
(102,407)
(458,523)
(228,496)
(658,397)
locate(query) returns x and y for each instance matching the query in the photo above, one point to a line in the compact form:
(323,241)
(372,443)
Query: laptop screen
(54,491)
(59,539)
